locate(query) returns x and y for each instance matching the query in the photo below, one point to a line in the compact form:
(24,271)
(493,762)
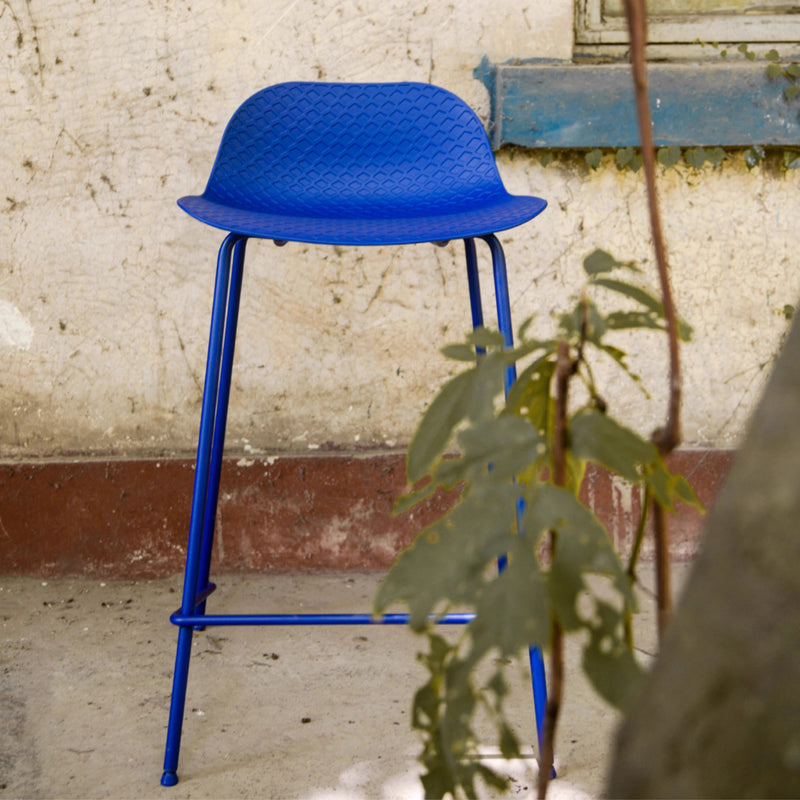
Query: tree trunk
(720,714)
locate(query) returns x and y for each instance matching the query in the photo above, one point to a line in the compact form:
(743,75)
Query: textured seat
(335,164)
(357,164)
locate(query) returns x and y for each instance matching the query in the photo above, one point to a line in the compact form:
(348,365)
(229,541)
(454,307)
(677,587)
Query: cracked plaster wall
(112,111)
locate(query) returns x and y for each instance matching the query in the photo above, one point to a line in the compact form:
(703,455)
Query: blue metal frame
(230,262)
(216,392)
(502,299)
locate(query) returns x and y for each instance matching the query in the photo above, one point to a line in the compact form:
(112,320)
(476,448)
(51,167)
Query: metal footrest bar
(209,620)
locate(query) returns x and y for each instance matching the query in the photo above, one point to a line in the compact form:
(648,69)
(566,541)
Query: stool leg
(502,300)
(201,480)
(473,279)
(221,418)
(503,303)
(539,683)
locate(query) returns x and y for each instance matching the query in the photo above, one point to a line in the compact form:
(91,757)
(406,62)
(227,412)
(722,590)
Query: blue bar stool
(334,164)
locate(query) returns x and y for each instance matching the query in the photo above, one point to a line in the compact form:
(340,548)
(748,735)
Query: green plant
(790,158)
(630,158)
(519,462)
(791,72)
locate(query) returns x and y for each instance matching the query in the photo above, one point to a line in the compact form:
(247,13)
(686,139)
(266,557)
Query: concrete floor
(312,713)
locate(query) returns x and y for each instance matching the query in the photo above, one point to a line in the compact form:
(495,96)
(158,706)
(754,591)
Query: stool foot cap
(169,779)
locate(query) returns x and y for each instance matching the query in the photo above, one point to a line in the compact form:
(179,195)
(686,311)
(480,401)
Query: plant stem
(667,438)
(556,690)
(634,557)
(640,529)
(663,578)
(562,376)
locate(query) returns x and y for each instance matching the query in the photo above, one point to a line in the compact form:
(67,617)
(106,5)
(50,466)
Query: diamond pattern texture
(360,164)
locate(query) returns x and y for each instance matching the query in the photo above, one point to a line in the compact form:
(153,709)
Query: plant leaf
(669,156)
(624,156)
(459,352)
(584,320)
(608,661)
(508,443)
(716,155)
(791,159)
(645,298)
(583,545)
(667,488)
(594,157)
(774,71)
(684,492)
(619,356)
(598,438)
(746,51)
(523,329)
(599,261)
(485,337)
(754,155)
(623,320)
(425,708)
(513,612)
(435,430)
(437,781)
(641,296)
(469,395)
(509,744)
(410,499)
(448,558)
(695,156)
(499,687)
(531,394)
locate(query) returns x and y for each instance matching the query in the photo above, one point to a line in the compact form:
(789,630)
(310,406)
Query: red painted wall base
(129,519)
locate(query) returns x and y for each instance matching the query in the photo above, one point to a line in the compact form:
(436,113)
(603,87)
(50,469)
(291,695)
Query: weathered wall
(112,111)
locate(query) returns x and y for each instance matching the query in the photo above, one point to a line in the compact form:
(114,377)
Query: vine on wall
(784,158)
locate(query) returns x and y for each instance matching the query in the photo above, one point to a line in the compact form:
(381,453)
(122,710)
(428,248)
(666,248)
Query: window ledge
(562,105)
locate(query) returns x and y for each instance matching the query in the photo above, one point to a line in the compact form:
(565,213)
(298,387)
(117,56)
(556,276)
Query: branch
(667,438)
(562,377)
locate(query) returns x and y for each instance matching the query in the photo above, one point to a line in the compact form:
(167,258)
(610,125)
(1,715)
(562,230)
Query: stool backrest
(340,150)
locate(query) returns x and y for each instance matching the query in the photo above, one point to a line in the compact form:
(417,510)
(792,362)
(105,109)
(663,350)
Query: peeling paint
(15,330)
(623,496)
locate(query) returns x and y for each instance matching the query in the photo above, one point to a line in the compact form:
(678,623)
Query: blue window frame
(557,105)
